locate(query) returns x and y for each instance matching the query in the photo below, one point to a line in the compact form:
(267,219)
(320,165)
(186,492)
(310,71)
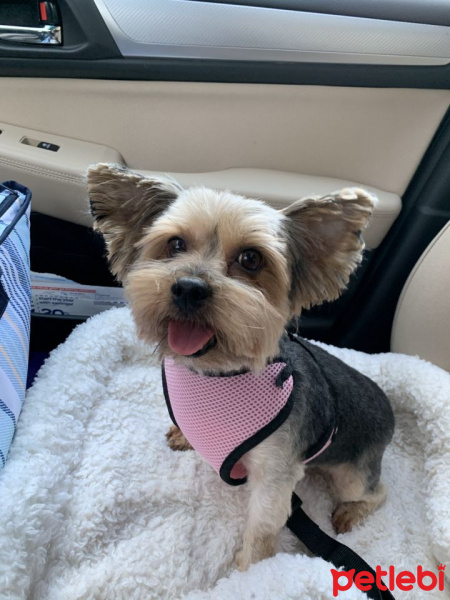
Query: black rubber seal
(230,71)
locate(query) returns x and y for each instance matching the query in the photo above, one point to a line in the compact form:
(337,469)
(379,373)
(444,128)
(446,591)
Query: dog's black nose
(189,293)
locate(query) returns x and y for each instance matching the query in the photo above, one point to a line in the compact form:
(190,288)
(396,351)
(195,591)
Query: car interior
(275,100)
(272,116)
(213,105)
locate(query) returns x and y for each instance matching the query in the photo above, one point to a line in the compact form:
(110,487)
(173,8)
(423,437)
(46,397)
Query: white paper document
(57,296)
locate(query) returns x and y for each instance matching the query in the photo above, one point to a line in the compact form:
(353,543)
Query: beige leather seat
(422,319)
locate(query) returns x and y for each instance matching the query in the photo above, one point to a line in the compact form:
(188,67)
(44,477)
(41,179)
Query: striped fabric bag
(15,306)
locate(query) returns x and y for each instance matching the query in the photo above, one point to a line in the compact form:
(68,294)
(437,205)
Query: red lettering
(421,574)
(379,575)
(364,581)
(391,578)
(404,581)
(337,587)
(441,581)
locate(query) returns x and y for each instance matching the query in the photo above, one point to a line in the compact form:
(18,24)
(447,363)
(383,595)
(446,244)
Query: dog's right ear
(123,203)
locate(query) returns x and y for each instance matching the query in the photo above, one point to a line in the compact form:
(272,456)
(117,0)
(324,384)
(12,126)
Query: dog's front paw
(242,560)
(176,439)
(260,548)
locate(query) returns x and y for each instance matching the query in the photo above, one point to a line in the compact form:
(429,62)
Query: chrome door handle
(47,34)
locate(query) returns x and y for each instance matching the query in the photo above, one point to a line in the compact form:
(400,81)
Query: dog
(213,279)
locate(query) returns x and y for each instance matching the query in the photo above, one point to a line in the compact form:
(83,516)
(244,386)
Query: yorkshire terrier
(213,279)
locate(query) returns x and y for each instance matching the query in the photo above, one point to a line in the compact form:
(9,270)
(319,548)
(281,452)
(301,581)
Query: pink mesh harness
(223,417)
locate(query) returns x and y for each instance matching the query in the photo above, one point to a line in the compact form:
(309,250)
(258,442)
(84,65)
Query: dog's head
(213,277)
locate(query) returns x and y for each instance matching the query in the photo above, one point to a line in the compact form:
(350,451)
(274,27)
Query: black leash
(324,546)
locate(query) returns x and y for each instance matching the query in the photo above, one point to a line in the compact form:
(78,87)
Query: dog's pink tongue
(187,338)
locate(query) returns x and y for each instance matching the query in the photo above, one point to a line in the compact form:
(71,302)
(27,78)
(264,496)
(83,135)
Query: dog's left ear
(325,244)
(123,203)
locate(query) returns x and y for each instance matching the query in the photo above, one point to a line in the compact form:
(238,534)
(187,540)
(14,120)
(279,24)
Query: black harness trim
(326,547)
(251,442)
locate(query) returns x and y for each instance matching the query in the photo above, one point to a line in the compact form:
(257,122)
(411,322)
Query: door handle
(46,34)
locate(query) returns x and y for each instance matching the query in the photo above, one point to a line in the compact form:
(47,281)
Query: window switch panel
(48,146)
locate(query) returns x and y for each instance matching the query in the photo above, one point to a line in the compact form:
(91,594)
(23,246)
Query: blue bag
(15,306)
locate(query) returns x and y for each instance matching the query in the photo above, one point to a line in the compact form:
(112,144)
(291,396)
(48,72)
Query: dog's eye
(175,246)
(250,260)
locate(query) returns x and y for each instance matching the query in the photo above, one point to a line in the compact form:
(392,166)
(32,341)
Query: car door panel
(303,97)
(367,137)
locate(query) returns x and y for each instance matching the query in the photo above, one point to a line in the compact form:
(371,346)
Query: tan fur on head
(246,312)
(309,251)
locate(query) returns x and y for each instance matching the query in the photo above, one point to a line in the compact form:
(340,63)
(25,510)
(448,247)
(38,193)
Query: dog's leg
(358,491)
(176,439)
(273,471)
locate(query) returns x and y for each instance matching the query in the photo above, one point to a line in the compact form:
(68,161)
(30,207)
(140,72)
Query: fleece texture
(94,505)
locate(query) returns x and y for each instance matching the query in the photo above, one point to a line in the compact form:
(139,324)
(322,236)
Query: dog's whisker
(158,345)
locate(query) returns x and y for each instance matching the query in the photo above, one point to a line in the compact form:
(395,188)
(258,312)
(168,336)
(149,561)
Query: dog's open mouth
(190,339)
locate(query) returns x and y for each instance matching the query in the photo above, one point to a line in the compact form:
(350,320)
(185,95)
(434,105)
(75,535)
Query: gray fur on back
(327,390)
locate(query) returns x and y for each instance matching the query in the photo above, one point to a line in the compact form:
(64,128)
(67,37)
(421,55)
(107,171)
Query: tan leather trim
(30,168)
(373,136)
(258,140)
(421,324)
(57,179)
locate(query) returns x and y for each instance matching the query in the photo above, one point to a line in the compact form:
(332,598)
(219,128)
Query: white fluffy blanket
(94,505)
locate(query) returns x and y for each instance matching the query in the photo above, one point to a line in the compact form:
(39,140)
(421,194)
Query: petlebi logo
(404,580)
